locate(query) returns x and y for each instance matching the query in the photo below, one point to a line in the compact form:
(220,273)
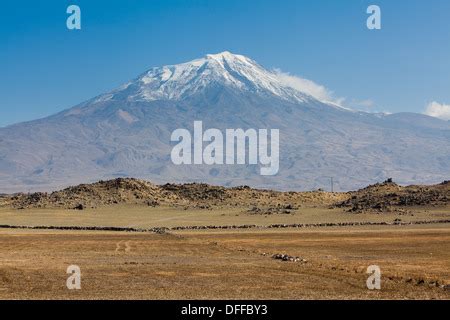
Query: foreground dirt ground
(414,260)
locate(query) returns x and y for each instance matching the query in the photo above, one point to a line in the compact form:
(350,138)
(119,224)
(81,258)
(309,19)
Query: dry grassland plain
(223,264)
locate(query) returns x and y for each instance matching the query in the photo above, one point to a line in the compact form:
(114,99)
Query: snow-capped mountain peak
(174,82)
(227,56)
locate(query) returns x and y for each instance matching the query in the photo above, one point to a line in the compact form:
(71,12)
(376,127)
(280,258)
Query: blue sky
(47,68)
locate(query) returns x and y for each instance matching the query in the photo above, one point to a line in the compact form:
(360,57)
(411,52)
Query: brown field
(409,239)
(145,217)
(228,264)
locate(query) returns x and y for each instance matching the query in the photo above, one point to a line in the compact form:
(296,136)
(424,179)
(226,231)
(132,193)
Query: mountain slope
(126,132)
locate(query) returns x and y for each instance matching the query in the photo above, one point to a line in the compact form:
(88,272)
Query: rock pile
(85,196)
(285,257)
(390,197)
(279,209)
(197,191)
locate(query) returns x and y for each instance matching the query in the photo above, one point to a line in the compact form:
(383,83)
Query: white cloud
(438,110)
(322,93)
(307,86)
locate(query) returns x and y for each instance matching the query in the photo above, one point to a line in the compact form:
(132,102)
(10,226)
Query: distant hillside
(381,197)
(139,192)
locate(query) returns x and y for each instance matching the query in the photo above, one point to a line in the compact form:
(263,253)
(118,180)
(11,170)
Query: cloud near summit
(322,93)
(308,86)
(438,110)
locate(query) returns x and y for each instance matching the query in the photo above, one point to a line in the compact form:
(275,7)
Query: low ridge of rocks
(388,196)
(380,197)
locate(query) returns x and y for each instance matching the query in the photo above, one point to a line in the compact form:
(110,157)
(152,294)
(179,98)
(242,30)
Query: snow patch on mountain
(175,82)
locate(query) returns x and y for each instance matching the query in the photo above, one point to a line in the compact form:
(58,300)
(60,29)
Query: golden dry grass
(144,216)
(226,264)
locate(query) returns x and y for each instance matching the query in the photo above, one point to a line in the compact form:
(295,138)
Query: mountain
(126,132)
